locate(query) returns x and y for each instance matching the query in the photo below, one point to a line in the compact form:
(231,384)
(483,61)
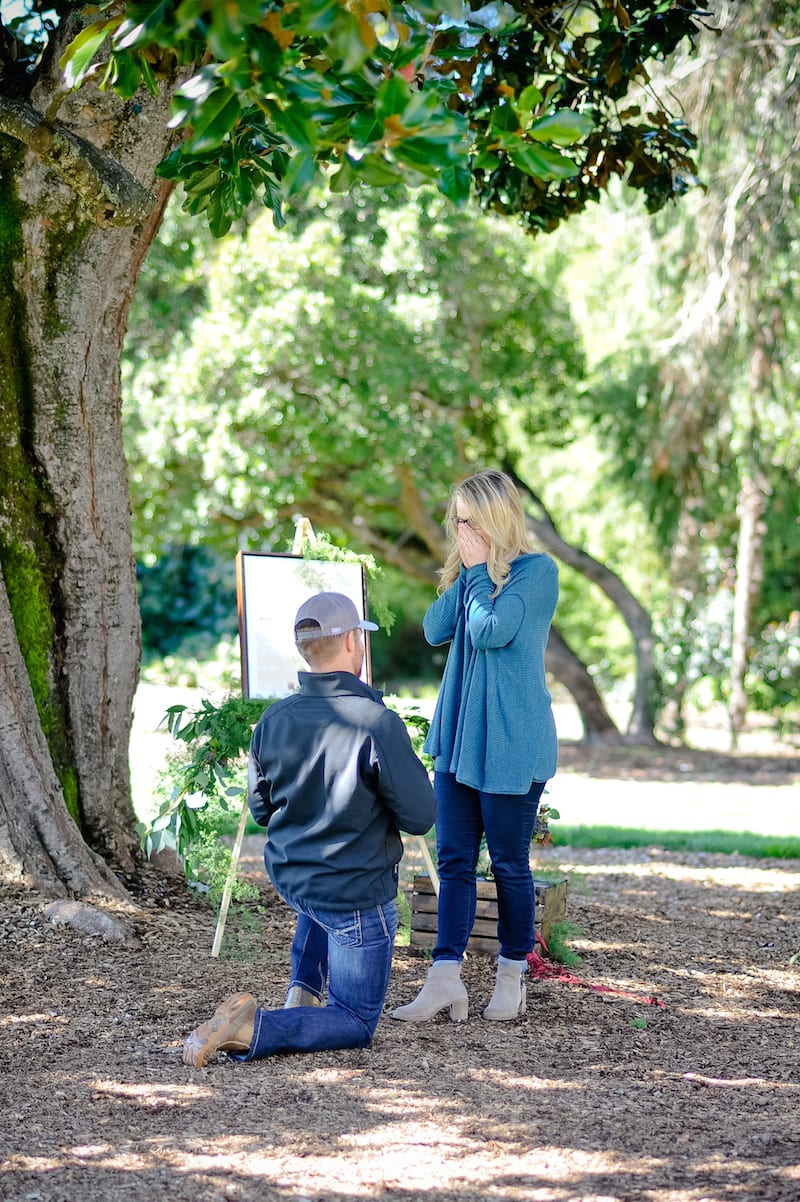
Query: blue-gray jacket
(493,725)
(334,778)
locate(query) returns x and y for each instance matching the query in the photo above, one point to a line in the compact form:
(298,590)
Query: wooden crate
(551,907)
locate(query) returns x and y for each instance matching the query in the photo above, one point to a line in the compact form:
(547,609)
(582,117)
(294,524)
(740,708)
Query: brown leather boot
(230,1029)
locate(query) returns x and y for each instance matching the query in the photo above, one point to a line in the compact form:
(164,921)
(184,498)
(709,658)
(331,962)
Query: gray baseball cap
(334,613)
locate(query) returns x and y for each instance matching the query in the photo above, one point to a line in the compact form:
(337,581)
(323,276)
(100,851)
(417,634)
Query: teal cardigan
(493,726)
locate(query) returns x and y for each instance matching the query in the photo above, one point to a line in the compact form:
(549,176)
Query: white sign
(269,590)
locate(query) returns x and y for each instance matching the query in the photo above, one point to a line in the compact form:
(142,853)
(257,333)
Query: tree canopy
(531,108)
(378,349)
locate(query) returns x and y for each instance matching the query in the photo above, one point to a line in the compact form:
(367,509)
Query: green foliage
(417,725)
(321,546)
(202,793)
(780,847)
(187,600)
(558,943)
(773,679)
(206,792)
(374,342)
(405,921)
(524,106)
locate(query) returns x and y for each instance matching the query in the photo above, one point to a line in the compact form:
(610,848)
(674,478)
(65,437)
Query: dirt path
(592,1096)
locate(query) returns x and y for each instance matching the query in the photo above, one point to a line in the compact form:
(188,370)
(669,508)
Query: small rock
(89,920)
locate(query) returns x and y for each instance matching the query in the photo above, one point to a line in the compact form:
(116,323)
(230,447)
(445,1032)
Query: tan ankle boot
(443,989)
(509,998)
(230,1029)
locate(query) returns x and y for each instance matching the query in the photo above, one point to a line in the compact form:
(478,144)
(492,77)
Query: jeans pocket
(343,926)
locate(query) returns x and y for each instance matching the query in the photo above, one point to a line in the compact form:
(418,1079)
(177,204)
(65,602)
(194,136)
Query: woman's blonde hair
(496,511)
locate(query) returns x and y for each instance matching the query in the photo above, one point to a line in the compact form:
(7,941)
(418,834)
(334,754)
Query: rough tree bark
(75,225)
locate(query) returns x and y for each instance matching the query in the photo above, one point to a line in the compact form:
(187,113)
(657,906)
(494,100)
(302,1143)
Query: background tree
(700,405)
(268,96)
(454,345)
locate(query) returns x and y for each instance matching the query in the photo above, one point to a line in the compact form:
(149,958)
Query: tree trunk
(643,714)
(69,612)
(40,845)
(752,503)
(562,663)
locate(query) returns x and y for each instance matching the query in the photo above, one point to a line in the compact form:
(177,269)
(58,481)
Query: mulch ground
(665,1067)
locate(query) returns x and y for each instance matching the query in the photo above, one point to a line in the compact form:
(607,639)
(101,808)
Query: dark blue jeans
(359,960)
(309,957)
(464,816)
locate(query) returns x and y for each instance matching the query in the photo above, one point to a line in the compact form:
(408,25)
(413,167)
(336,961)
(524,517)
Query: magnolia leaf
(375,170)
(273,200)
(455,183)
(486,161)
(564,128)
(505,119)
(540,161)
(428,155)
(77,58)
(529,98)
(203,182)
(343,179)
(125,73)
(392,97)
(300,174)
(214,119)
(295,124)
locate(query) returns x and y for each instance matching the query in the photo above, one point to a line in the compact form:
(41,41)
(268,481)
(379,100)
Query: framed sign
(270,588)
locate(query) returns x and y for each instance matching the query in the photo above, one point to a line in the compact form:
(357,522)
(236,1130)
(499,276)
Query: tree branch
(109,193)
(635,616)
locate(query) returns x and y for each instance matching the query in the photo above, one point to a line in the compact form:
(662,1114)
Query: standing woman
(492,736)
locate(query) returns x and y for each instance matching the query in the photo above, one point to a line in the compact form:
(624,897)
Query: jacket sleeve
(403,783)
(439,623)
(259,790)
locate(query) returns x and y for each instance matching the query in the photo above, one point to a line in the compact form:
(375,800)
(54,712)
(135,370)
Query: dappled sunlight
(147,1095)
(12,1020)
(530,1084)
(594,1095)
(735,877)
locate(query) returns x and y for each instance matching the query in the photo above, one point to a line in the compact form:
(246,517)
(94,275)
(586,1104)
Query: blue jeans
(359,957)
(309,956)
(463,816)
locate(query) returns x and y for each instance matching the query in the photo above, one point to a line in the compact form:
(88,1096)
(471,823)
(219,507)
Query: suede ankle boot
(509,998)
(443,989)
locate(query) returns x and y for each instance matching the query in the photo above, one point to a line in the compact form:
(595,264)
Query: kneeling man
(334,778)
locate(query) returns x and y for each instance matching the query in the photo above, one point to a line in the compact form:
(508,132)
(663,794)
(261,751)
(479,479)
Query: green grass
(779,847)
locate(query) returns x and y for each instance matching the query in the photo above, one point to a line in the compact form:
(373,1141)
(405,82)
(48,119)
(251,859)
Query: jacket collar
(336,684)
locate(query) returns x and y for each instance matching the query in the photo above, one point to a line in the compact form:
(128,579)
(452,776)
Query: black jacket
(334,778)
